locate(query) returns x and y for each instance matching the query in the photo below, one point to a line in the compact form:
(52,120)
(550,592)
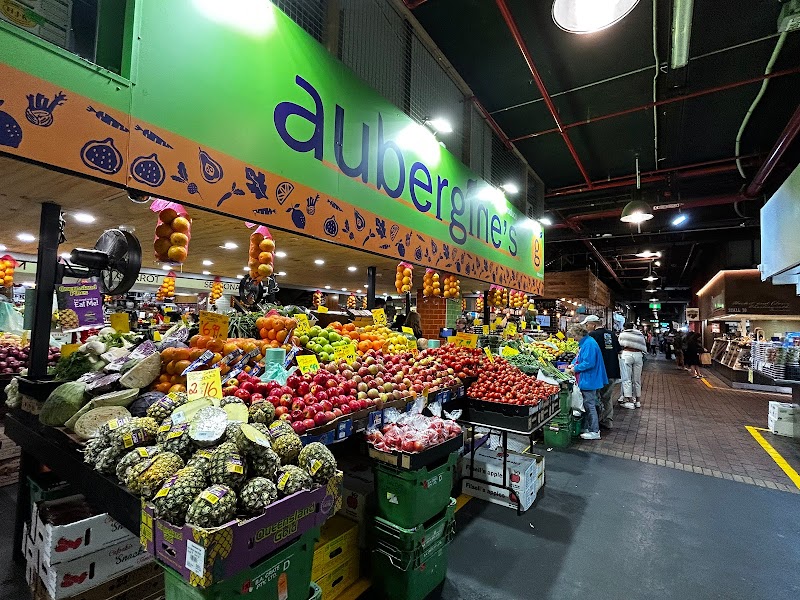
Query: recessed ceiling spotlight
(359,291)
(319,261)
(280,254)
(229,246)
(649,278)
(83,217)
(240,277)
(588,16)
(327,287)
(206,272)
(344,289)
(207,263)
(26,237)
(352,269)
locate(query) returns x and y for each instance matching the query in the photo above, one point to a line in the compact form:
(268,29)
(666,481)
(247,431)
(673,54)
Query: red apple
(337,412)
(286,400)
(325,405)
(256,397)
(242,394)
(309,423)
(303,388)
(320,419)
(298,404)
(299,427)
(309,412)
(280,411)
(297,414)
(354,405)
(248,386)
(345,409)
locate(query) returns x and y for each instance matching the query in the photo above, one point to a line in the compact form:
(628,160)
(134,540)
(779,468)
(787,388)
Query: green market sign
(232,107)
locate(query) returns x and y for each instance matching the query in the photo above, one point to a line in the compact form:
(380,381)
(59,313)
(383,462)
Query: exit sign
(655,305)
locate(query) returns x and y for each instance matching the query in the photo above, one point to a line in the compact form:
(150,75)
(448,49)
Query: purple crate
(234,547)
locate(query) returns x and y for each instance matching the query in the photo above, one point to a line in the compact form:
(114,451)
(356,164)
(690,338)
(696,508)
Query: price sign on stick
(466,340)
(346,353)
(121,322)
(302,324)
(488,353)
(202,384)
(407,330)
(213,324)
(322,309)
(307,363)
(379,316)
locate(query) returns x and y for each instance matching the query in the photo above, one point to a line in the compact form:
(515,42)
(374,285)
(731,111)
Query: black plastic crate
(517,417)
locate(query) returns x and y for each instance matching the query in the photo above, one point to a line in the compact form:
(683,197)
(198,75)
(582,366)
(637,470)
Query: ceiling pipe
(595,252)
(412,4)
(784,141)
(713,90)
(523,48)
(492,123)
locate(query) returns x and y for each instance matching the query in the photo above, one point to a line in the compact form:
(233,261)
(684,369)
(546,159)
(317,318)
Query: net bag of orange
(7,266)
(403,278)
(262,254)
(216,290)
(173,232)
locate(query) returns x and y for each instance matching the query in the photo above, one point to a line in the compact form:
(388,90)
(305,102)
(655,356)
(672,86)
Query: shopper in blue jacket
(590,372)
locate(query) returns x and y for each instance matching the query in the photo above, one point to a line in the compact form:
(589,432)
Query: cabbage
(62,403)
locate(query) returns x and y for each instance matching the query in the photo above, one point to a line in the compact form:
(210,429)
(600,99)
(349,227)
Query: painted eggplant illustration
(10,131)
(210,169)
(101,155)
(107,119)
(40,108)
(148,170)
(153,137)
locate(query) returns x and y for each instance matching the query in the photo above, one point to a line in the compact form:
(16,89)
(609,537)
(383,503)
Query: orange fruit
(178,254)
(182,353)
(162,246)
(272,334)
(180,366)
(167,215)
(179,239)
(163,378)
(263,333)
(263,271)
(163,230)
(195,354)
(163,387)
(229,347)
(267,245)
(265,258)
(180,224)
(177,388)
(281,335)
(256,239)
(168,355)
(202,341)
(170,368)
(215,345)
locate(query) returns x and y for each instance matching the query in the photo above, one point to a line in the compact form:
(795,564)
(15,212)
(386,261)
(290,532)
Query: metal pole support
(46,275)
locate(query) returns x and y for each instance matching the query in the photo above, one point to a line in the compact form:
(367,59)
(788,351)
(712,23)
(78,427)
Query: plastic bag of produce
(173,232)
(10,319)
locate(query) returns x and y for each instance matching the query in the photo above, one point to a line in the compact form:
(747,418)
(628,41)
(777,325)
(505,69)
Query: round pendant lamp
(636,211)
(588,16)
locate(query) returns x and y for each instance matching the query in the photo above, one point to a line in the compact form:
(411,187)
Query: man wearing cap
(610,349)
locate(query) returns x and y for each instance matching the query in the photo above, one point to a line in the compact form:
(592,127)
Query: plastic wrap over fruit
(173,232)
(261,255)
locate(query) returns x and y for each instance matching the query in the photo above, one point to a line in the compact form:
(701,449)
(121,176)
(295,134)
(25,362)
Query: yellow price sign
(485,330)
(466,340)
(307,363)
(121,322)
(509,351)
(510,330)
(559,335)
(523,324)
(498,321)
(408,330)
(488,352)
(68,349)
(303,326)
(411,345)
(214,324)
(167,319)
(322,309)
(346,353)
(379,316)
(203,384)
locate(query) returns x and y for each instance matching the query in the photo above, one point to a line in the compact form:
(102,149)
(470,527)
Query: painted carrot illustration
(107,119)
(153,137)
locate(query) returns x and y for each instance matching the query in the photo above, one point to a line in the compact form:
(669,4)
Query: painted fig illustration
(102,155)
(153,137)
(10,131)
(331,227)
(418,253)
(211,169)
(298,218)
(147,170)
(40,108)
(107,119)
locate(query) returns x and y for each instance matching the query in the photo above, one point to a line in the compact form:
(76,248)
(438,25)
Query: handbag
(705,359)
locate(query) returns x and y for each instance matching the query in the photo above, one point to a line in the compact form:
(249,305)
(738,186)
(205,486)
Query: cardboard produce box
(498,495)
(338,540)
(783,427)
(784,411)
(65,542)
(522,468)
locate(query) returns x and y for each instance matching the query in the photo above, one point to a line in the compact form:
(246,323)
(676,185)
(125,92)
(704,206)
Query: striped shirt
(634,339)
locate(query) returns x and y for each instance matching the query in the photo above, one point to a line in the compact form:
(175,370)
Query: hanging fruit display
(463,305)
(216,291)
(351,301)
(452,287)
(317,299)
(173,232)
(403,278)
(262,254)
(431,286)
(167,289)
(479,304)
(517,299)
(7,266)
(363,303)
(498,296)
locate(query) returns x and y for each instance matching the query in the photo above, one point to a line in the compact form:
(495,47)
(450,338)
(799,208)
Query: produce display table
(547,409)
(46,446)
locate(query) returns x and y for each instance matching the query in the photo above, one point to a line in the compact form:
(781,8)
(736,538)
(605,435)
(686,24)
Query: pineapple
(126,434)
(145,478)
(228,466)
(262,412)
(201,459)
(318,462)
(279,428)
(177,493)
(92,450)
(288,447)
(177,440)
(107,460)
(133,457)
(256,494)
(292,479)
(163,407)
(214,506)
(265,464)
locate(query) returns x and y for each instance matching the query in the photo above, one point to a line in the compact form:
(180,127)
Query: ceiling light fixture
(240,277)
(166,267)
(439,124)
(245,268)
(344,289)
(648,254)
(2,247)
(637,210)
(280,254)
(653,299)
(680,219)
(588,16)
(319,261)
(206,272)
(649,278)
(229,246)
(352,269)
(651,291)
(359,291)
(657,263)
(681,32)
(83,217)
(26,237)
(327,287)
(510,187)
(281,273)
(207,263)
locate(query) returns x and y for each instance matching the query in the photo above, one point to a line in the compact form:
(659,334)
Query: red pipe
(784,141)
(515,33)
(492,123)
(720,88)
(412,4)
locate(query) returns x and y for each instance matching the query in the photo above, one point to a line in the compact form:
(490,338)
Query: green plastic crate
(565,400)
(284,574)
(575,426)
(408,498)
(409,548)
(316,592)
(393,583)
(558,432)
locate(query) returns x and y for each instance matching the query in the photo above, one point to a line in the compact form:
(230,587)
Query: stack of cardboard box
(524,475)
(784,419)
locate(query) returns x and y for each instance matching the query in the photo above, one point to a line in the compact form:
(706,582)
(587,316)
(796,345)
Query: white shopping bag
(577,398)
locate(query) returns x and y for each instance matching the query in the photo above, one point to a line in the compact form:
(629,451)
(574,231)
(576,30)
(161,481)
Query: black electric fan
(251,292)
(115,261)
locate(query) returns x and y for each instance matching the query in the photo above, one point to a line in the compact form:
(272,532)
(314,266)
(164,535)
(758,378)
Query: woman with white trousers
(634,347)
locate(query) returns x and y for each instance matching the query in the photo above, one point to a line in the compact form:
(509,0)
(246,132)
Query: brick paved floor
(685,424)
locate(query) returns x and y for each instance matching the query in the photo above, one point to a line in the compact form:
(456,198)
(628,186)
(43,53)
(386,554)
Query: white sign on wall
(692,314)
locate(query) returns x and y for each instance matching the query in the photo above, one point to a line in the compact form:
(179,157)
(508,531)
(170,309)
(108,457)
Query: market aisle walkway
(687,424)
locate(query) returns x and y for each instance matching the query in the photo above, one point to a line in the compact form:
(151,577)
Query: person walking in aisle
(590,373)
(634,348)
(652,342)
(610,349)
(691,357)
(678,343)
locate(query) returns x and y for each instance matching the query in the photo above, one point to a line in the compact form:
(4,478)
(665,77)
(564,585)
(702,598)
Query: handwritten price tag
(322,309)
(523,324)
(120,322)
(485,330)
(509,351)
(346,353)
(560,335)
(466,340)
(307,363)
(213,324)
(488,352)
(303,325)
(202,384)
(379,316)
(510,330)
(411,345)
(408,330)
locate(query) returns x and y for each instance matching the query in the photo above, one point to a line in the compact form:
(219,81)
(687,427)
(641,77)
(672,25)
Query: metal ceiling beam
(523,48)
(719,88)
(412,4)
(785,140)
(685,233)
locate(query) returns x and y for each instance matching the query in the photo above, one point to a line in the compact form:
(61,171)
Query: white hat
(590,319)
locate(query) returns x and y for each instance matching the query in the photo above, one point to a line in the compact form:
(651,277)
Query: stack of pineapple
(205,462)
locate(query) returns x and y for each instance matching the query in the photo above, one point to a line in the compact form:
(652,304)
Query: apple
(309,412)
(286,400)
(298,404)
(364,404)
(280,411)
(229,390)
(262,388)
(309,423)
(322,395)
(248,386)
(331,383)
(354,405)
(321,418)
(345,409)
(242,394)
(303,388)
(297,414)
(242,377)
(326,405)
(299,427)
(373,393)
(286,417)
(336,412)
